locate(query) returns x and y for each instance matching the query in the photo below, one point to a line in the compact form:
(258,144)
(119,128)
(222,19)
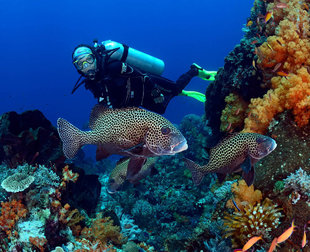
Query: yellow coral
(102,229)
(244,195)
(254,220)
(234,113)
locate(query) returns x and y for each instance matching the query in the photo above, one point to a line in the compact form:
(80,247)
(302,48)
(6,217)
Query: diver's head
(84,61)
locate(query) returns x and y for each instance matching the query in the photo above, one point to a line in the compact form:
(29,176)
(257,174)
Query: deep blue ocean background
(38,37)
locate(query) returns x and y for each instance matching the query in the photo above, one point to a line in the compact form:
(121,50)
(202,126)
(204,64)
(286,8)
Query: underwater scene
(144,139)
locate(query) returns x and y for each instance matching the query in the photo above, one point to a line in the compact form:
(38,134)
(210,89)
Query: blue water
(37,39)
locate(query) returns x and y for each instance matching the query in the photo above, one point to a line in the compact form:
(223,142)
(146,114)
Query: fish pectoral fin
(247,164)
(136,149)
(196,170)
(221,177)
(249,176)
(134,166)
(101,153)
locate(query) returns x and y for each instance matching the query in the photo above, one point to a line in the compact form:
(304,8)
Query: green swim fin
(204,74)
(196,95)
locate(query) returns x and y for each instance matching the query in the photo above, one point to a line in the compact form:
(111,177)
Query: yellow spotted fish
(118,174)
(132,132)
(235,153)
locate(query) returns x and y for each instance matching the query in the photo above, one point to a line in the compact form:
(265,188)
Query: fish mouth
(179,147)
(110,191)
(174,148)
(273,145)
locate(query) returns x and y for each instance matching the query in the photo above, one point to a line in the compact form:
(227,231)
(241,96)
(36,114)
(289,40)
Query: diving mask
(84,61)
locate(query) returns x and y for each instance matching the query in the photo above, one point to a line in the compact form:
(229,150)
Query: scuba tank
(133,57)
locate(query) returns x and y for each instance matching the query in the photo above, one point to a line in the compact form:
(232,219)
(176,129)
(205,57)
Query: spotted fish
(235,153)
(118,174)
(132,132)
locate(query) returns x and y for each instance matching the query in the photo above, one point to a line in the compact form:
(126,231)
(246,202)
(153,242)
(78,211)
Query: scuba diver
(120,76)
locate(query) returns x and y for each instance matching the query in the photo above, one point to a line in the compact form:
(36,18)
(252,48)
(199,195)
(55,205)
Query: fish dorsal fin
(100,110)
(96,112)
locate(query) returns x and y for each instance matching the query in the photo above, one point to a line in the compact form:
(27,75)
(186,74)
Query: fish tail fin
(70,136)
(196,171)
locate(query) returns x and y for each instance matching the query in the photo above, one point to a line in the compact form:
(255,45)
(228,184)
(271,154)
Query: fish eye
(165,130)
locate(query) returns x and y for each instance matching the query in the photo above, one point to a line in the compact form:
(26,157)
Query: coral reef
(291,153)
(29,137)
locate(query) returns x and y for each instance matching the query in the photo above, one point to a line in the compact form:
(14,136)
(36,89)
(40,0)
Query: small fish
(279,42)
(254,42)
(237,112)
(251,242)
(273,245)
(249,23)
(240,150)
(228,127)
(282,73)
(268,16)
(235,204)
(287,233)
(118,174)
(253,64)
(270,46)
(132,132)
(281,5)
(276,67)
(304,238)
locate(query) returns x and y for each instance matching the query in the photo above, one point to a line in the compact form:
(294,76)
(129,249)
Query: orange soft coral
(11,212)
(244,195)
(38,242)
(291,92)
(287,52)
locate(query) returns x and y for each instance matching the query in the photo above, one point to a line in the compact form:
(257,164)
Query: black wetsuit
(119,85)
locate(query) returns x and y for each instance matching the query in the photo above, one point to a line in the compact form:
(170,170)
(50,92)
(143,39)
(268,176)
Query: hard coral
(254,220)
(17,182)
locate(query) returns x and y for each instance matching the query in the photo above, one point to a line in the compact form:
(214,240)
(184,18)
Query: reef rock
(28,137)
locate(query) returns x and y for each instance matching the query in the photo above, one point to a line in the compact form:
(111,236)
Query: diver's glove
(204,74)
